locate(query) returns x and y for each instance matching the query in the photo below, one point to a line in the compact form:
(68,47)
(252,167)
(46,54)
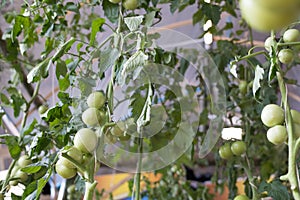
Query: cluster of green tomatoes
(231,149)
(286,54)
(272,116)
(85,140)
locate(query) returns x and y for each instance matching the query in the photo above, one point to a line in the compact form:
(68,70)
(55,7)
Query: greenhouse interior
(149,100)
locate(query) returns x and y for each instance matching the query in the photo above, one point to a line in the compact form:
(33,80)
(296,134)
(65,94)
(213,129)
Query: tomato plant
(100,63)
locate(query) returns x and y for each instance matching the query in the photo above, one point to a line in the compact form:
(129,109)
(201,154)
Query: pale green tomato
(241,197)
(243,87)
(269,42)
(71,188)
(115,1)
(238,148)
(291,35)
(75,154)
(86,140)
(296,129)
(42,109)
(65,171)
(24,161)
(92,117)
(296,116)
(23,177)
(286,56)
(96,100)
(277,134)
(225,151)
(265,16)
(130,4)
(272,115)
(118,129)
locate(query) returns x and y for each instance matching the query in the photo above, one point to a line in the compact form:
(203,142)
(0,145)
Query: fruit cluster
(228,150)
(286,54)
(127,4)
(272,116)
(85,140)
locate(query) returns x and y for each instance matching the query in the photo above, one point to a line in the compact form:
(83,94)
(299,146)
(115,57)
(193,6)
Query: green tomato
(238,148)
(24,161)
(265,16)
(115,1)
(296,130)
(130,4)
(269,42)
(42,109)
(296,116)
(291,35)
(71,189)
(92,117)
(225,151)
(243,87)
(96,100)
(23,177)
(75,154)
(65,171)
(241,197)
(272,115)
(286,56)
(86,140)
(118,129)
(277,134)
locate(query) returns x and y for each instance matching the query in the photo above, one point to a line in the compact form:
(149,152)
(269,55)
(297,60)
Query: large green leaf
(96,26)
(133,23)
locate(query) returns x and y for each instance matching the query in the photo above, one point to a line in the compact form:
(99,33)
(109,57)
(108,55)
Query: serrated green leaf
(96,26)
(64,83)
(259,72)
(149,18)
(138,59)
(21,23)
(13,146)
(111,10)
(30,128)
(4,99)
(133,23)
(108,58)
(30,191)
(273,65)
(63,48)
(40,71)
(144,116)
(61,68)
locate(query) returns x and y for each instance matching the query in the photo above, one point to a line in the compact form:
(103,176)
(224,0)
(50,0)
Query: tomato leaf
(63,48)
(108,58)
(275,189)
(96,25)
(111,10)
(40,71)
(13,146)
(133,23)
(30,191)
(144,116)
(259,72)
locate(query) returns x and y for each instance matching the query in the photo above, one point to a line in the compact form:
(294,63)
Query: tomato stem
(89,190)
(293,144)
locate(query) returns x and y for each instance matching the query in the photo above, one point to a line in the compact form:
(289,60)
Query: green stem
(12,165)
(89,190)
(292,175)
(137,178)
(288,44)
(247,169)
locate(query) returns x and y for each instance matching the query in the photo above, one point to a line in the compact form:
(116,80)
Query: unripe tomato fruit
(243,87)
(92,117)
(75,154)
(269,15)
(42,109)
(22,176)
(296,116)
(286,56)
(296,130)
(64,171)
(277,134)
(291,35)
(272,115)
(115,1)
(225,151)
(85,140)
(71,189)
(269,42)
(24,161)
(96,100)
(130,4)
(241,197)
(238,148)
(117,130)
